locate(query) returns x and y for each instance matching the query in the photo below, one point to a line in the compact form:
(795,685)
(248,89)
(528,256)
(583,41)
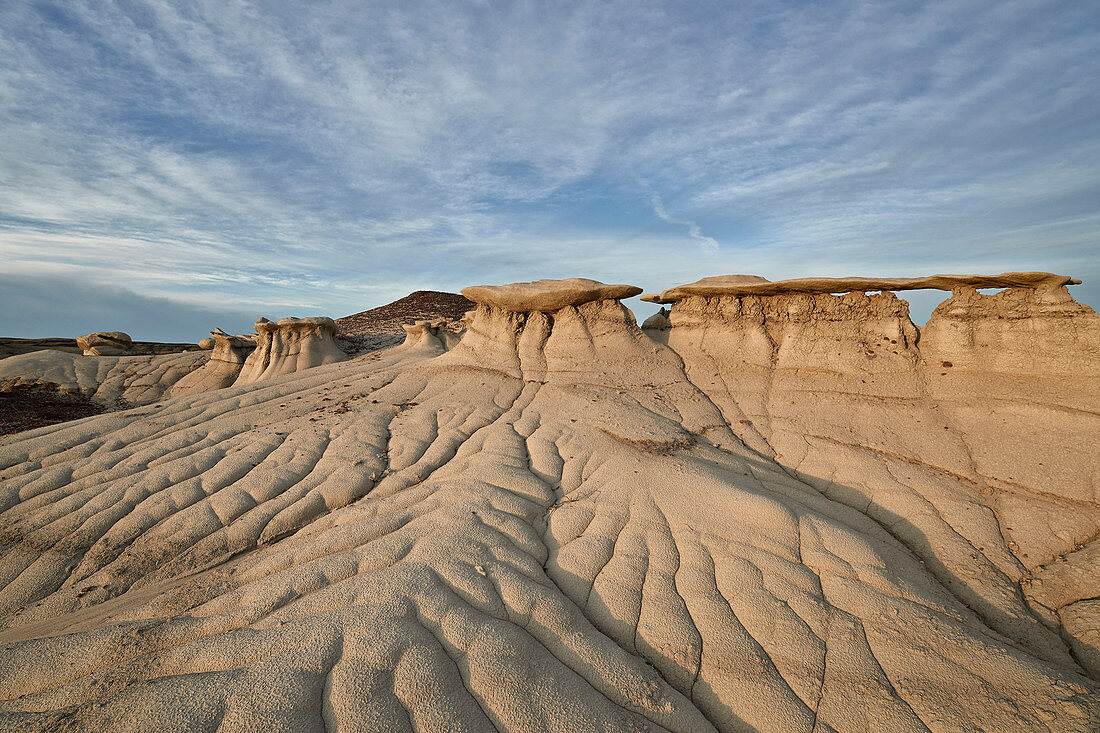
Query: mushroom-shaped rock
(436,333)
(546,296)
(736,285)
(206,344)
(422,333)
(105,343)
(290,345)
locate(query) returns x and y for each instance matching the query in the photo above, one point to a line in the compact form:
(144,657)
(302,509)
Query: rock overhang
(321,323)
(547,296)
(741,285)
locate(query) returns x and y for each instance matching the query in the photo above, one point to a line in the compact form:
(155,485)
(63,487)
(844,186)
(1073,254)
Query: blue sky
(168,167)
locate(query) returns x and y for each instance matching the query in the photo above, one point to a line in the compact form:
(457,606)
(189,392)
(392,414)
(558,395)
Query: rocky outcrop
(290,345)
(285,347)
(105,343)
(967,440)
(658,325)
(1027,361)
(438,333)
(408,539)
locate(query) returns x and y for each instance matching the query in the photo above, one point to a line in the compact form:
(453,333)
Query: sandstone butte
(775,509)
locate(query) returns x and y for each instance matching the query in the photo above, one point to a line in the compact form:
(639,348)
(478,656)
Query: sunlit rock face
(966,439)
(1026,361)
(105,343)
(557,524)
(546,296)
(290,345)
(729,286)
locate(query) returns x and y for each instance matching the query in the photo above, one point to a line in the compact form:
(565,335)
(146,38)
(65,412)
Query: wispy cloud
(330,157)
(693,229)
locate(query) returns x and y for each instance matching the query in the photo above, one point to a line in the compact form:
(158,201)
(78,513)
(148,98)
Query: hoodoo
(776,522)
(435,333)
(109,380)
(290,345)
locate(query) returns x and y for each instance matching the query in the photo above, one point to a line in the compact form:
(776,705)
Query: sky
(169,167)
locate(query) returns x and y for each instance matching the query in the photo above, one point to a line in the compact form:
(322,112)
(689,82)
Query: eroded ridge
(548,526)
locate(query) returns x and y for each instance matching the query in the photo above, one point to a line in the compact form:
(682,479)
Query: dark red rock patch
(26,407)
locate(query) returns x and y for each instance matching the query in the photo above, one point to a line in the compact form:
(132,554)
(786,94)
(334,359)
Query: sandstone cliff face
(965,440)
(1025,362)
(290,345)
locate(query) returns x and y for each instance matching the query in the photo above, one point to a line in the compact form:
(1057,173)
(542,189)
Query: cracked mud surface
(562,525)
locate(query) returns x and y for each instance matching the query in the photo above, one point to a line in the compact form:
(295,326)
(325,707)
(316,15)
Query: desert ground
(773,506)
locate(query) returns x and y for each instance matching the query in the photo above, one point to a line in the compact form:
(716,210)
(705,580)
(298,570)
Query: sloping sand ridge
(801,514)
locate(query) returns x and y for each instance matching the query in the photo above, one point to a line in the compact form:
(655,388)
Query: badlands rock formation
(737,285)
(439,331)
(799,515)
(383,326)
(290,345)
(658,325)
(284,347)
(222,368)
(105,343)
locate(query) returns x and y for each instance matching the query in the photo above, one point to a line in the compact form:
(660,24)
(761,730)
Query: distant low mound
(14,346)
(421,305)
(382,326)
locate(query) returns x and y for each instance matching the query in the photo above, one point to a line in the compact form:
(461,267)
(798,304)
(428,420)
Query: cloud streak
(336,157)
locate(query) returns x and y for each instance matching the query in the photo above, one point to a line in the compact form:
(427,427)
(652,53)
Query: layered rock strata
(558,524)
(546,296)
